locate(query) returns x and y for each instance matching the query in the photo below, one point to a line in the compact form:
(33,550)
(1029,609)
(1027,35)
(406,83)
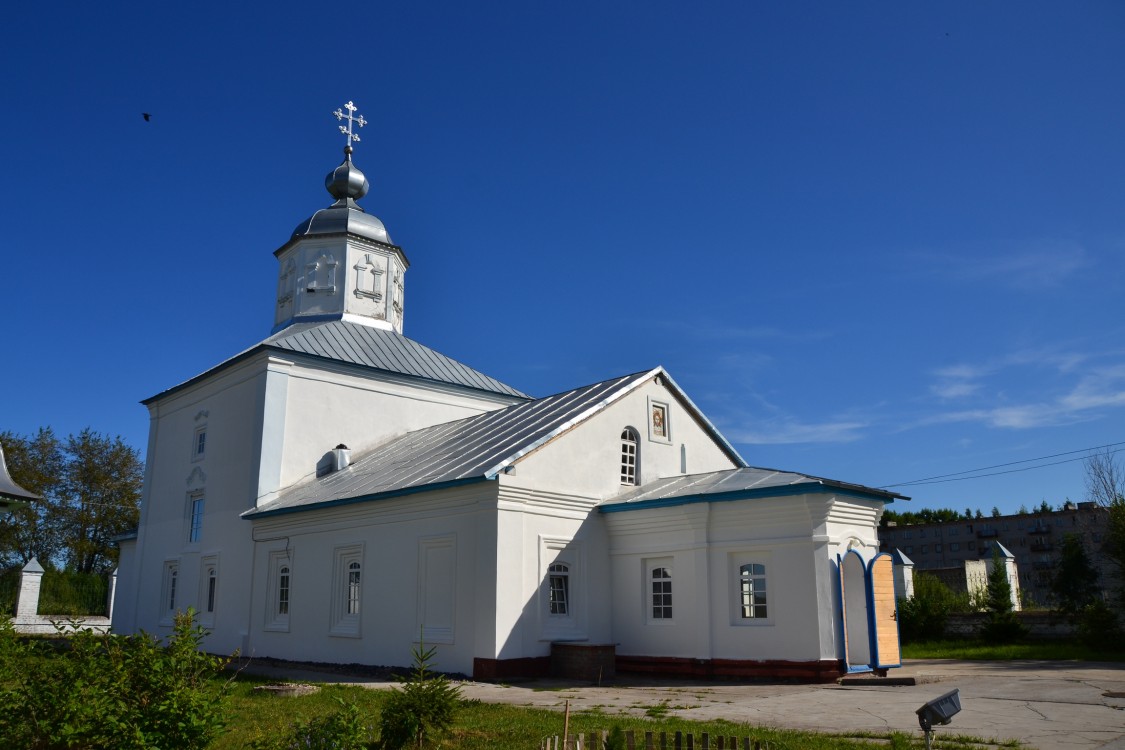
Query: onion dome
(347,184)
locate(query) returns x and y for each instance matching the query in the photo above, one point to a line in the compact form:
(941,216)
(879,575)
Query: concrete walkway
(1045,705)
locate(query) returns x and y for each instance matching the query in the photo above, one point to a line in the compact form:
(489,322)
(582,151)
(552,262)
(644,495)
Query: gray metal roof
(734,484)
(380,349)
(474,448)
(366,346)
(8,488)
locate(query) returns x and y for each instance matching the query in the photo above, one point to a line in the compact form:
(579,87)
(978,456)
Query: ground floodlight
(939,711)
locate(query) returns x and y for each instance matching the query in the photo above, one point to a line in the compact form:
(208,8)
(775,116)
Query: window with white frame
(660,583)
(752,591)
(212,584)
(280,587)
(353,588)
(347,591)
(170,594)
(199,443)
(558,591)
(195,516)
(283,590)
(629,443)
(208,590)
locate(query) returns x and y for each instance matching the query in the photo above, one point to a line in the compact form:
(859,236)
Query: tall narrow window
(629,440)
(212,584)
(195,526)
(283,590)
(199,443)
(661,594)
(173,574)
(752,590)
(347,591)
(353,588)
(558,579)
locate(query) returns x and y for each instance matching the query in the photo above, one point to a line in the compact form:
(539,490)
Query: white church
(338,491)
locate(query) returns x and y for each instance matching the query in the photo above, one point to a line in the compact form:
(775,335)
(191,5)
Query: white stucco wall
(325,405)
(268,419)
(704,544)
(587,460)
(423,565)
(534,530)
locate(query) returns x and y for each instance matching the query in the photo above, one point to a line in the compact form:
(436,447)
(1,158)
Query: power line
(958,476)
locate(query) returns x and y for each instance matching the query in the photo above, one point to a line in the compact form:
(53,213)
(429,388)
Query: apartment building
(1034,538)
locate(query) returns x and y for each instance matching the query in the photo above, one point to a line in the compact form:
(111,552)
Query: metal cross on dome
(357,120)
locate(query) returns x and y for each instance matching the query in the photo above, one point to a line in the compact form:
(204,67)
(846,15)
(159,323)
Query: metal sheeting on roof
(749,481)
(366,346)
(358,344)
(476,447)
(8,488)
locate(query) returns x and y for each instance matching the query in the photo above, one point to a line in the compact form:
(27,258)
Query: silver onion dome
(346,181)
(347,184)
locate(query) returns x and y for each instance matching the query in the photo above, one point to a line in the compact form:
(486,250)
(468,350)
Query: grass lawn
(971,650)
(483,726)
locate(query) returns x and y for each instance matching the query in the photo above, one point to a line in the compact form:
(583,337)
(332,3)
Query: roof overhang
(820,487)
(254,514)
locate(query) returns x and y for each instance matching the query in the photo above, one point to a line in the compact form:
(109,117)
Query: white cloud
(783,431)
(1095,392)
(1034,265)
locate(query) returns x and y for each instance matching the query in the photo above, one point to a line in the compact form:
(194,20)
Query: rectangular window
(954,546)
(195,523)
(558,588)
(199,443)
(752,591)
(937,548)
(280,589)
(170,592)
(661,586)
(954,531)
(971,544)
(925,548)
(348,591)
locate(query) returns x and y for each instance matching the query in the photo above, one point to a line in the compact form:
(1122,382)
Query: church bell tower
(340,263)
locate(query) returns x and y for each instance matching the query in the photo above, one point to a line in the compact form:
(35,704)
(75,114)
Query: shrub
(1099,628)
(923,616)
(110,691)
(342,730)
(423,709)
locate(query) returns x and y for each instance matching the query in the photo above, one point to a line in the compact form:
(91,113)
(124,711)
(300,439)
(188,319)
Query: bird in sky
(147,116)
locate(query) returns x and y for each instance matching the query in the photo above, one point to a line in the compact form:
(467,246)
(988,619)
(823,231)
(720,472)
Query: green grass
(971,650)
(484,726)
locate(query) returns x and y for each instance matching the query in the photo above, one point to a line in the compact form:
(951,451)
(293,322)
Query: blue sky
(873,241)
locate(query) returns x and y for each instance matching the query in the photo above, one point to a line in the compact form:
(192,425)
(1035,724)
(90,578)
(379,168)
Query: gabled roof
(368,347)
(736,484)
(472,449)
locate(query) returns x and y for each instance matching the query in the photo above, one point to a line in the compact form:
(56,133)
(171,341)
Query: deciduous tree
(91,488)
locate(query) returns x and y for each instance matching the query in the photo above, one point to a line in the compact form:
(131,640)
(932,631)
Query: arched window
(173,573)
(752,590)
(629,443)
(558,579)
(353,588)
(212,586)
(661,594)
(283,590)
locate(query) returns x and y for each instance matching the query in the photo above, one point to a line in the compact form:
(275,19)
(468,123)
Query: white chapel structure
(337,491)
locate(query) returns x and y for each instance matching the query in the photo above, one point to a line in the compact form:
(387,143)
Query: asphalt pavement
(1044,705)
